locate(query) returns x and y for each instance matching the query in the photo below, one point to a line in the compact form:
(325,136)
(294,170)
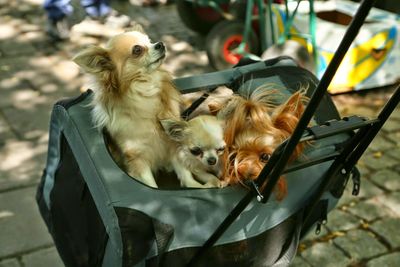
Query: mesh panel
(262,250)
(77,228)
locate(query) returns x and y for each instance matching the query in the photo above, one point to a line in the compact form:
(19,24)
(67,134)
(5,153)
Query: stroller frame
(344,163)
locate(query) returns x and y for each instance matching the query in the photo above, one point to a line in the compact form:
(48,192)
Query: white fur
(206,133)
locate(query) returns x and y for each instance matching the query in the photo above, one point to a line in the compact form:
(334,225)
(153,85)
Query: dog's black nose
(159,46)
(211,161)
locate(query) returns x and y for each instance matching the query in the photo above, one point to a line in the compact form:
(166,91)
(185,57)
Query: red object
(227,50)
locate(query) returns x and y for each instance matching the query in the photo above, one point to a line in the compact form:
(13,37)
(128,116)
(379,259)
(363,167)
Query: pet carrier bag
(99,216)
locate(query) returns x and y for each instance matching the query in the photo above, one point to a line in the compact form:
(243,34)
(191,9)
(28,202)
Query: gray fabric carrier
(191,214)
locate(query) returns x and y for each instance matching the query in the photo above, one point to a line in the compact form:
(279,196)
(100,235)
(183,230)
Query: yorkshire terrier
(254,128)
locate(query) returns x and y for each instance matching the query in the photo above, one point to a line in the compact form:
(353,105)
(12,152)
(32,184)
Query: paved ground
(34,73)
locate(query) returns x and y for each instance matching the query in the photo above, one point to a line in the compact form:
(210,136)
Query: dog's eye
(264,157)
(196,151)
(220,150)
(137,50)
(232,156)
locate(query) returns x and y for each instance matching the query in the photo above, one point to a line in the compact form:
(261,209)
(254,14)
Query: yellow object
(373,59)
(361,61)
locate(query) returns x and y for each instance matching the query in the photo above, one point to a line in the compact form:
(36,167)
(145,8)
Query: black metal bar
(352,125)
(275,156)
(354,150)
(312,162)
(318,94)
(238,209)
(316,98)
(330,127)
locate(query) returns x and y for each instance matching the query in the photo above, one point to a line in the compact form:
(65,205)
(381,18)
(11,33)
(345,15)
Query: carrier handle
(228,77)
(312,106)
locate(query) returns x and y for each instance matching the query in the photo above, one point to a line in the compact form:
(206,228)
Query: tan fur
(131,94)
(255,127)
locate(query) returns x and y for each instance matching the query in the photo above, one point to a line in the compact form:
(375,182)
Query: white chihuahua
(199,145)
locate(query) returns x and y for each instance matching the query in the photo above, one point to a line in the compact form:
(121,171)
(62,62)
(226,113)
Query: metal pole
(316,98)
(319,93)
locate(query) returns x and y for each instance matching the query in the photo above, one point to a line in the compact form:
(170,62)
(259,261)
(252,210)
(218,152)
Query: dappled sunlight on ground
(36,72)
(21,162)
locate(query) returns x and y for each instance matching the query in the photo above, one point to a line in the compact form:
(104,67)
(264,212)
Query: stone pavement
(35,73)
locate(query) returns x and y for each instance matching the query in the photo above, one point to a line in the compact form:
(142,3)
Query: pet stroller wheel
(222,42)
(197,18)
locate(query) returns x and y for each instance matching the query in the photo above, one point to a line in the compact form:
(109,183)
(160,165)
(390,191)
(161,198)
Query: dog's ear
(175,129)
(286,117)
(288,114)
(214,108)
(94,60)
(225,110)
(136,27)
(222,107)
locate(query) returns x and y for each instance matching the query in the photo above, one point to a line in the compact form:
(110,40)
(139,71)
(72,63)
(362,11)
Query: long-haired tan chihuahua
(131,95)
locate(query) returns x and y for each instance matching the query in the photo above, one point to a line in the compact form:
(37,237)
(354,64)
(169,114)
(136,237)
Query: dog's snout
(246,172)
(159,46)
(211,161)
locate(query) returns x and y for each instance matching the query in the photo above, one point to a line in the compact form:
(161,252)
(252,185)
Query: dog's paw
(215,183)
(223,184)
(210,185)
